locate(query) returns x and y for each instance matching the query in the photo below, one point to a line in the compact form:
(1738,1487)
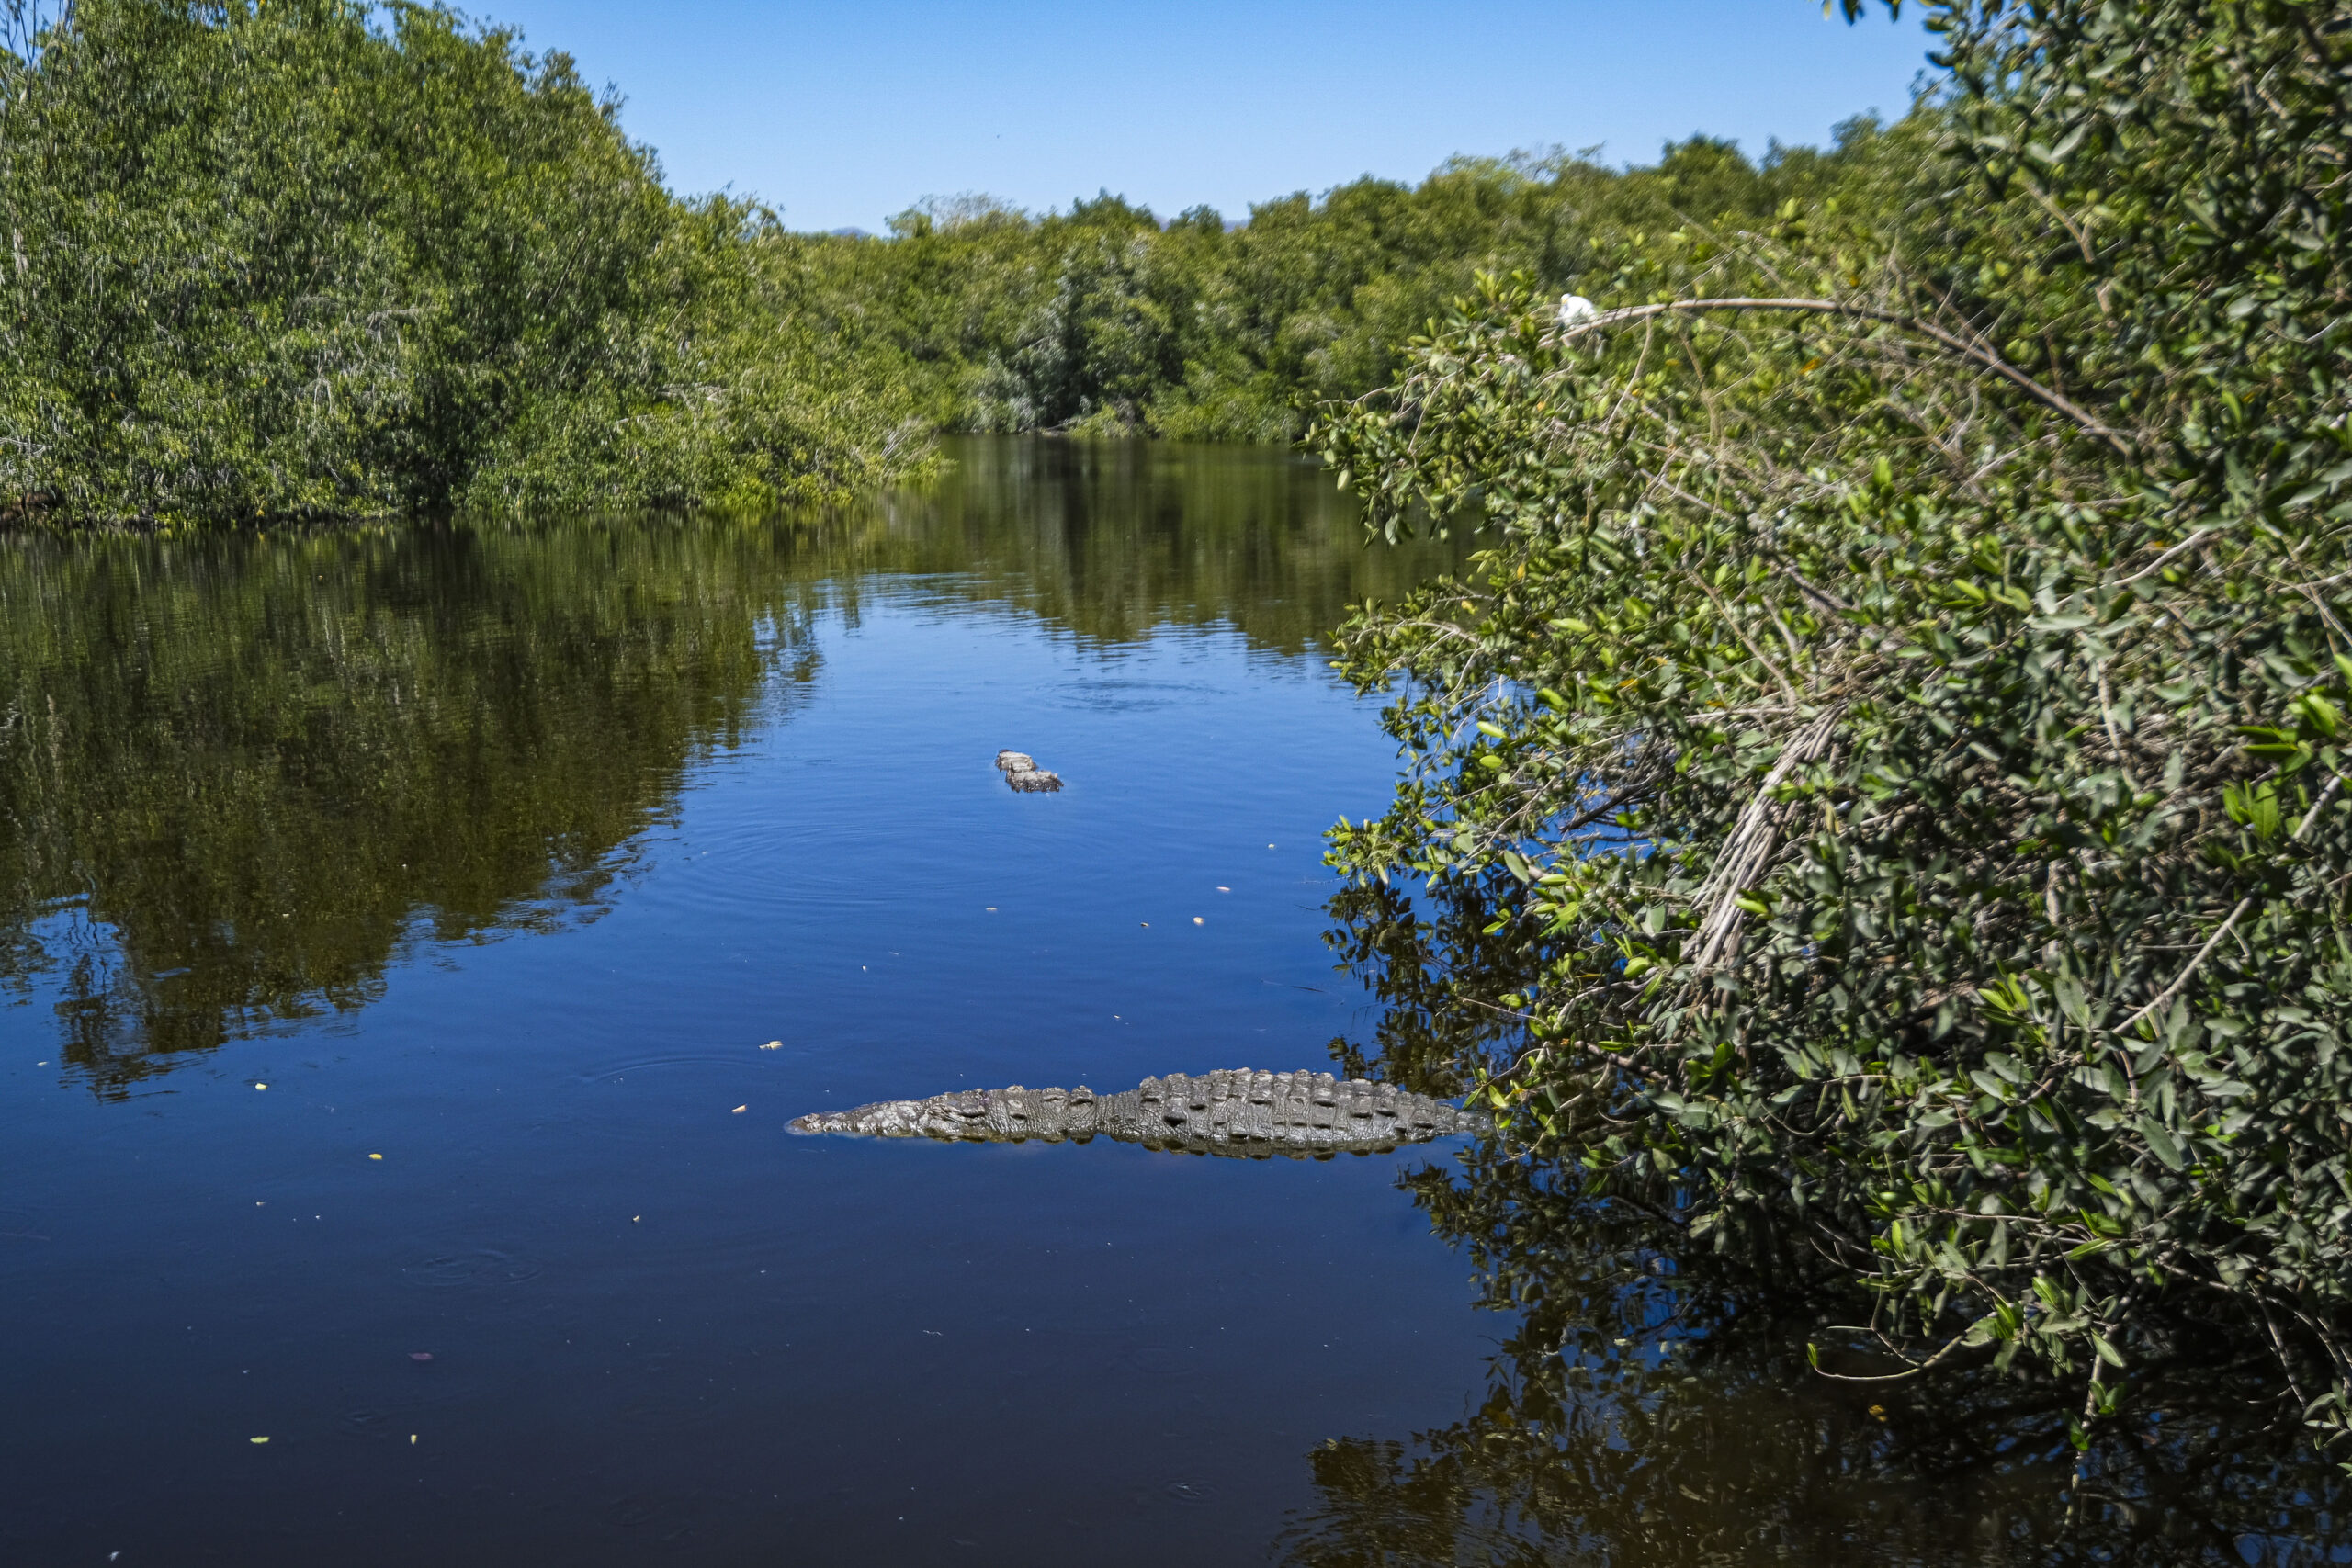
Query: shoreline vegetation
(1895,724)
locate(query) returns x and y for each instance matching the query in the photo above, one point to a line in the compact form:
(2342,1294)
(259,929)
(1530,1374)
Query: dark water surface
(559,865)
(503,854)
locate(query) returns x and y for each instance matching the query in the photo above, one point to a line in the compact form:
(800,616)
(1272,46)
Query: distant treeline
(1105,320)
(326,259)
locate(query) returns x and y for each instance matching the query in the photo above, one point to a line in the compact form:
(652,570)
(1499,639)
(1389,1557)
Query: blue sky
(840,114)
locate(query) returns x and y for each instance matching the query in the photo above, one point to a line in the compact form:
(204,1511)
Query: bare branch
(1961,346)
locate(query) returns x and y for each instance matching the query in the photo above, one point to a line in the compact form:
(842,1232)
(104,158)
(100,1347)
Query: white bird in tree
(1576,308)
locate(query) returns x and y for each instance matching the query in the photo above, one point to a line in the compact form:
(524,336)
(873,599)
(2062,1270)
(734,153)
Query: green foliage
(1905,696)
(1103,320)
(1653,1400)
(270,261)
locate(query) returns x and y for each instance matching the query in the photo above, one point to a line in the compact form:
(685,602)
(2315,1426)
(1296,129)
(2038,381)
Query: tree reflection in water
(241,774)
(1653,1403)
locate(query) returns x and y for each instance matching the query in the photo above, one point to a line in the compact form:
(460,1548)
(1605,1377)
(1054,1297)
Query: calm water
(559,866)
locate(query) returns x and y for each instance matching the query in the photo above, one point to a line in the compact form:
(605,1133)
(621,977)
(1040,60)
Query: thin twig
(1961,346)
(2199,538)
(2163,997)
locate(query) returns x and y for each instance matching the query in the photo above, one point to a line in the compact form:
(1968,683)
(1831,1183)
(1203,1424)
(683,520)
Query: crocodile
(1022,773)
(1232,1112)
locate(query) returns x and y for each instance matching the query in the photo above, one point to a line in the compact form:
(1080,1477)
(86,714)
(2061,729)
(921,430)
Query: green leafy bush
(275,261)
(1906,688)
(1650,1401)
